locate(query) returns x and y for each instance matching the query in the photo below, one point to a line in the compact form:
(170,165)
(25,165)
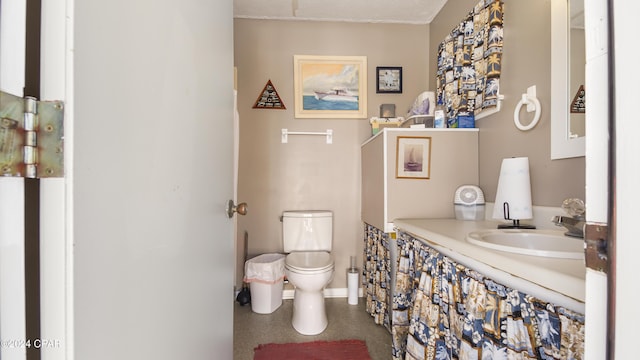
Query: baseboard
(287,294)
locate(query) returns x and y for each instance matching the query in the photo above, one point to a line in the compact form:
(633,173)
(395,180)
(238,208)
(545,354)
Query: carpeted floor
(314,350)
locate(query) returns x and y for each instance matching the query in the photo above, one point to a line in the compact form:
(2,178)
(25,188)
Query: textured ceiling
(379,11)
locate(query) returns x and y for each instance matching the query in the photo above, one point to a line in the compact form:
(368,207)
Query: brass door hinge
(595,250)
(31,137)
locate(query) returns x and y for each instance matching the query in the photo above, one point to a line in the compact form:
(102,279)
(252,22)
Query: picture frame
(389,79)
(330,87)
(413,157)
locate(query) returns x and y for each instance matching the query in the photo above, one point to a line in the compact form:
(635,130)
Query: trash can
(265,276)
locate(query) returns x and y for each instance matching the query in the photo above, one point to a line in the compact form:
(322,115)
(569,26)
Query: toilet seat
(309,262)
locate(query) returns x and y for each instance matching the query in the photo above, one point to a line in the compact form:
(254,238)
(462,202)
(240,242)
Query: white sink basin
(546,243)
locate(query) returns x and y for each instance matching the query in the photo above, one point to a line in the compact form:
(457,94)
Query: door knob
(233,208)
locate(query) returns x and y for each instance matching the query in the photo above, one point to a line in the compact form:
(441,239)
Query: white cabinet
(453,162)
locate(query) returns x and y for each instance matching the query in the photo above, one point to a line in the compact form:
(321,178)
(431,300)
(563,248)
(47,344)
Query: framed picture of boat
(389,79)
(333,87)
(413,157)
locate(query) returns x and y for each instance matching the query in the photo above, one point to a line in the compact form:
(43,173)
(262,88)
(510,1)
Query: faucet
(574,225)
(576,221)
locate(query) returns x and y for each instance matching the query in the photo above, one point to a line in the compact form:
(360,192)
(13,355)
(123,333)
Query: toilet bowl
(307,238)
(309,273)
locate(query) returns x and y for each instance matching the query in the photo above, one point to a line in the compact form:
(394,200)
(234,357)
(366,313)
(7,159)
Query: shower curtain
(443,310)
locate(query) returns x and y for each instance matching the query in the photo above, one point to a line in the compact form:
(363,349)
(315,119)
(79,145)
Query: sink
(546,243)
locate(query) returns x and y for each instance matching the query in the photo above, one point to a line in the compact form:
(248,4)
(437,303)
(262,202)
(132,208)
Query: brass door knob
(233,208)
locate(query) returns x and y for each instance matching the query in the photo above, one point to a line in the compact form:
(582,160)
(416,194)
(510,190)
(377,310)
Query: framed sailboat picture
(330,86)
(413,157)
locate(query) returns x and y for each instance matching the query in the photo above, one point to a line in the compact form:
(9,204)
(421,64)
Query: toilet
(307,237)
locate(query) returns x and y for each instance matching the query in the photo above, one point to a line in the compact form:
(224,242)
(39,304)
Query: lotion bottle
(439,120)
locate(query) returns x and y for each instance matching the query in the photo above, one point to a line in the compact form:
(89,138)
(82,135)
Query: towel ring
(532,100)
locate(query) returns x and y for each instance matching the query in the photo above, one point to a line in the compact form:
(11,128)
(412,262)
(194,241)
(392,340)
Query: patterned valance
(469,58)
(376,275)
(444,310)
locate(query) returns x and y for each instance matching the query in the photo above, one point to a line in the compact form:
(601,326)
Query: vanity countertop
(559,281)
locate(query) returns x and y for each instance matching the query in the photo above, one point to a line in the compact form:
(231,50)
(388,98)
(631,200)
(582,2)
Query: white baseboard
(287,294)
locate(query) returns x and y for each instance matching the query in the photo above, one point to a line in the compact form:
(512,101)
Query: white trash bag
(265,268)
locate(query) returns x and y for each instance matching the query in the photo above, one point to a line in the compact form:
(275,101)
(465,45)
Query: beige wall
(306,173)
(525,62)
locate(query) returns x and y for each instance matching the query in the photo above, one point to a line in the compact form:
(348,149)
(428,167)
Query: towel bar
(286,133)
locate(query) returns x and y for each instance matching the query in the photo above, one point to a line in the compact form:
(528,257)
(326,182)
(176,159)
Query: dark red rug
(316,350)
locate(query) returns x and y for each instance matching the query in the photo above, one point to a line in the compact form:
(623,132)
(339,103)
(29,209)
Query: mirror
(577,58)
(567,128)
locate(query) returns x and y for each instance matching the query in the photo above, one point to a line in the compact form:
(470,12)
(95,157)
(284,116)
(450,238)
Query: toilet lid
(309,260)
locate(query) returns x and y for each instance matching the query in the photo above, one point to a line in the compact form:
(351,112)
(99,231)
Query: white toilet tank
(309,230)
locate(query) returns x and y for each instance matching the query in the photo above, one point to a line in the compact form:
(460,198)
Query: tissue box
(379,123)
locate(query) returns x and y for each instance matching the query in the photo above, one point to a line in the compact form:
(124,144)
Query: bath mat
(316,350)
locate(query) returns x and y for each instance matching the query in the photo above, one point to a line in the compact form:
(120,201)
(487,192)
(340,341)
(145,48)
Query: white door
(46,309)
(12,203)
(596,164)
(152,171)
(627,178)
(147,258)
(618,333)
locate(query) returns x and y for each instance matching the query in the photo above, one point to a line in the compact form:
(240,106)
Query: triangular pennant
(269,98)
(578,105)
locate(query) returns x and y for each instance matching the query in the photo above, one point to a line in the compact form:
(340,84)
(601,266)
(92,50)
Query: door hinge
(595,250)
(31,137)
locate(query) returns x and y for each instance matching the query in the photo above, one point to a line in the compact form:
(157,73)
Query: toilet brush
(244,296)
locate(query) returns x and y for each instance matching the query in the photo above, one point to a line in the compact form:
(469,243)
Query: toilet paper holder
(353,284)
